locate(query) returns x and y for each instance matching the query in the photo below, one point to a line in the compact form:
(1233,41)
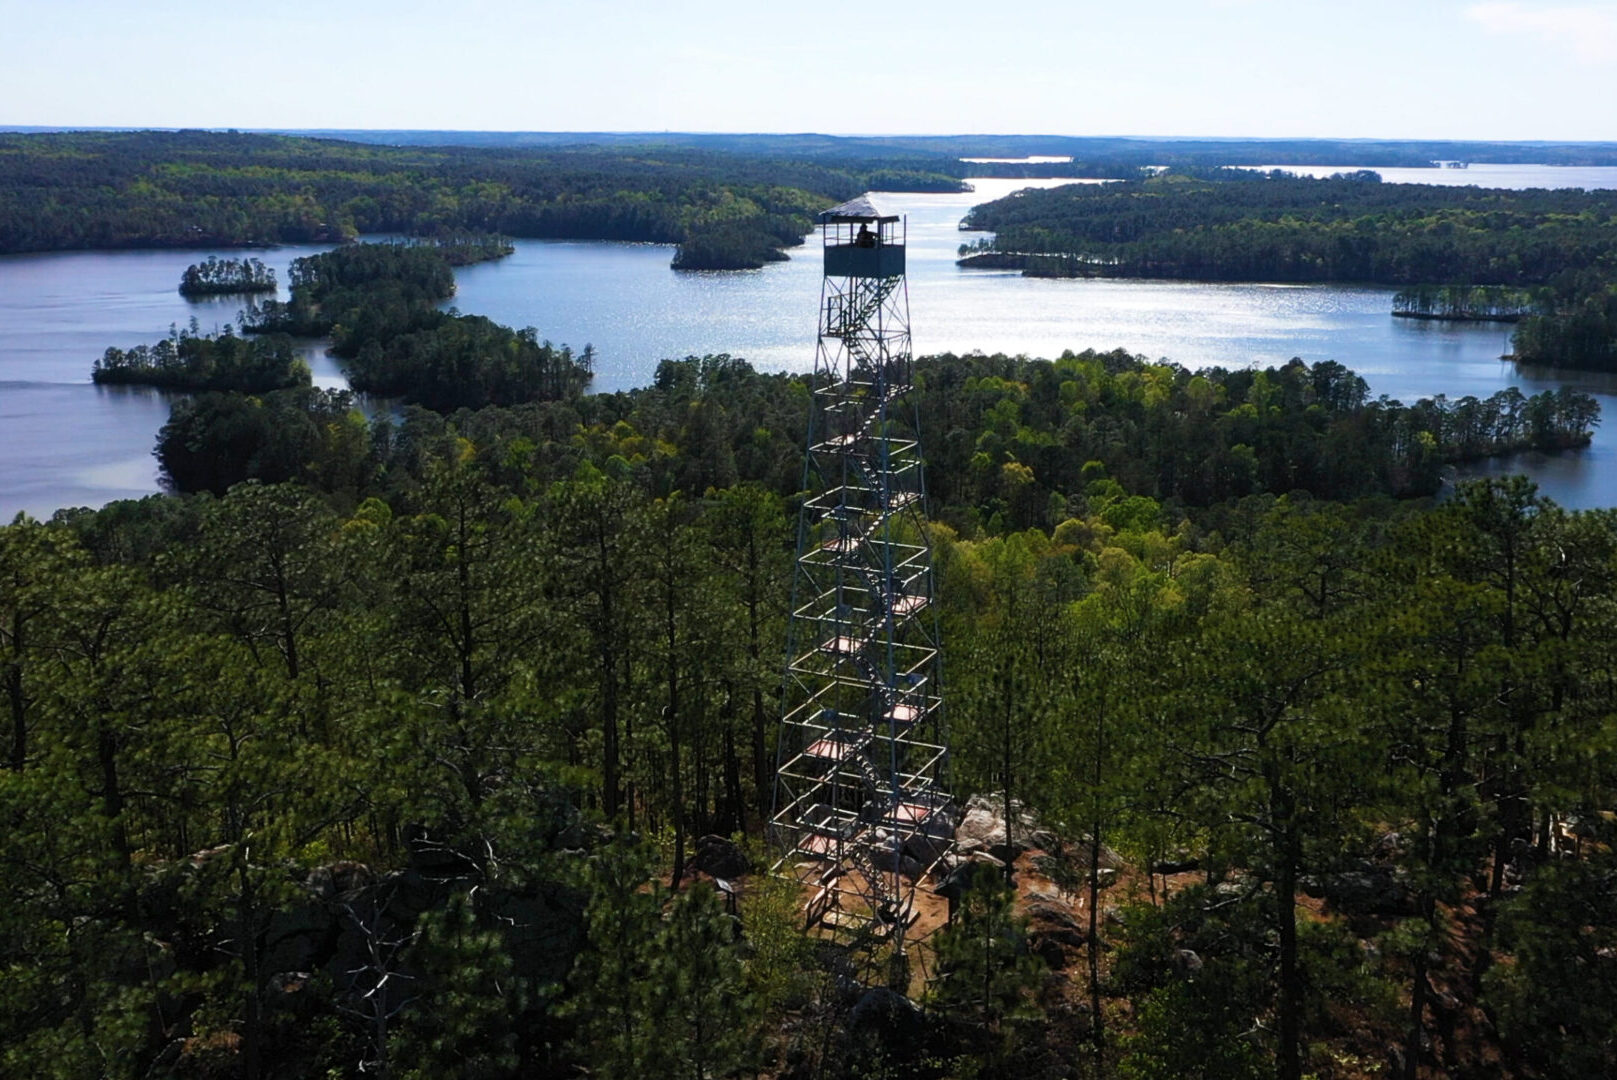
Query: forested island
(1545,258)
(221,277)
(734,247)
(379,304)
(190,360)
(371,289)
(1580,332)
(199,189)
(332,745)
(1570,323)
(1240,225)
(1471,303)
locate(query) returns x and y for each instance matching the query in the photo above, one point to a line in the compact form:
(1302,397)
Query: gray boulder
(339,881)
(931,841)
(889,1017)
(1176,865)
(985,819)
(1372,890)
(719,857)
(1053,922)
(1050,951)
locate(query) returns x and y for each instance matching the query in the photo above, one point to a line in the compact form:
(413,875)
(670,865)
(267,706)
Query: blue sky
(1354,68)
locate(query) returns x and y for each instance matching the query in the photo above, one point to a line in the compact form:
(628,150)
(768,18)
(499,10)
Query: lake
(1482,174)
(66,442)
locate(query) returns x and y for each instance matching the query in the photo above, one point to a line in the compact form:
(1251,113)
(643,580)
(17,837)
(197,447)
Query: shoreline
(1435,317)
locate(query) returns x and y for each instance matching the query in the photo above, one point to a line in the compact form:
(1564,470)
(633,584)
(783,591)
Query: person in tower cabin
(866,238)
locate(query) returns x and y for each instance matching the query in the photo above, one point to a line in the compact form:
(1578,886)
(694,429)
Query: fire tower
(860,805)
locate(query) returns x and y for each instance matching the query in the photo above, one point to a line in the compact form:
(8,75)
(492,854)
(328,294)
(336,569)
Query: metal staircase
(861,758)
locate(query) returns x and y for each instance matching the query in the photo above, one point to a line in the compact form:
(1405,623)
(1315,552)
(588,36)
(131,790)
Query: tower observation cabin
(862,242)
(861,812)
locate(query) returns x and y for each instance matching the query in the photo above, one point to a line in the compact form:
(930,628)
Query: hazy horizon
(1257,69)
(699,132)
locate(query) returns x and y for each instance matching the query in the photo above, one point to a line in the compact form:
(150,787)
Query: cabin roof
(860,209)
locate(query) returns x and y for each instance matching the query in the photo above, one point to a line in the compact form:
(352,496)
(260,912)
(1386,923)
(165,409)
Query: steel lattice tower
(860,805)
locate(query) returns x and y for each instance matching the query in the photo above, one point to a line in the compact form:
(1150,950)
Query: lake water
(63,440)
(66,442)
(1482,174)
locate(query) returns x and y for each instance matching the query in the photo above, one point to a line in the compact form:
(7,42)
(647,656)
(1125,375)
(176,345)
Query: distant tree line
(936,151)
(1126,152)
(217,277)
(1078,170)
(195,189)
